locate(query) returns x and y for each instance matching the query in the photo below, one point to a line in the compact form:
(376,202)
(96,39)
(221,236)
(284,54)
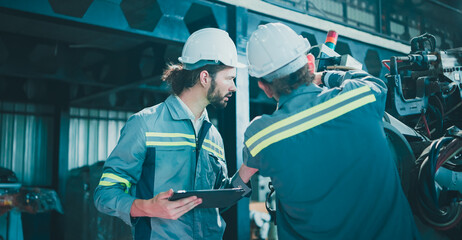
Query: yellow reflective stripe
(159,134)
(153,143)
(312,123)
(214,144)
(117,178)
(106,183)
(212,151)
(306,113)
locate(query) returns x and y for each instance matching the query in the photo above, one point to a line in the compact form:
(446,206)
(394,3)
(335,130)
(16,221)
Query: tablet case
(214,198)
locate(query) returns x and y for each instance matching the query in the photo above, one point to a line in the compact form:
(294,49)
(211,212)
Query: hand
(159,206)
(246,173)
(317,78)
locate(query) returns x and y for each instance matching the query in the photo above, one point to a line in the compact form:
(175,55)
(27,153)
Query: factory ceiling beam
(107,24)
(446,6)
(135,85)
(317,23)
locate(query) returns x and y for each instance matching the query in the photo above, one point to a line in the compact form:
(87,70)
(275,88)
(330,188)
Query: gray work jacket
(158,150)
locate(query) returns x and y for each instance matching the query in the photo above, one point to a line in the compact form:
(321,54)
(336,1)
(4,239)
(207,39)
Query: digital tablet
(214,198)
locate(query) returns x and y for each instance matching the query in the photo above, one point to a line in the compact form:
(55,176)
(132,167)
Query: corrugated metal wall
(93,134)
(26,141)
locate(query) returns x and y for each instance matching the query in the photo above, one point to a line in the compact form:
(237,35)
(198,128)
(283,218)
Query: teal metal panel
(162,19)
(93,134)
(26,141)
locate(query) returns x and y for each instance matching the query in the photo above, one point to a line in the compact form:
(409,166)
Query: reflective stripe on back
(310,118)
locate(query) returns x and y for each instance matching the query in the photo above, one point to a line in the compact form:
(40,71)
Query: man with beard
(173,146)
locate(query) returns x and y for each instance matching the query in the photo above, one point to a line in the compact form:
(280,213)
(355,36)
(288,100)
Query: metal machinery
(108,54)
(11,225)
(15,199)
(425,94)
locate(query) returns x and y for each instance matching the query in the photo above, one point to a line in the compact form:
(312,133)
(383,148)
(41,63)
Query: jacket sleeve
(114,195)
(234,182)
(346,81)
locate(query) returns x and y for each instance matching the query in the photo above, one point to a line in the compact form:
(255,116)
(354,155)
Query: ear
(266,88)
(311,62)
(204,78)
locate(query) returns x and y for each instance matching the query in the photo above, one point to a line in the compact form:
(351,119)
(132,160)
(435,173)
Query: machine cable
(438,205)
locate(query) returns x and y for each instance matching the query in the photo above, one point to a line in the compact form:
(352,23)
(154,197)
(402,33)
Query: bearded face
(217,98)
(221,88)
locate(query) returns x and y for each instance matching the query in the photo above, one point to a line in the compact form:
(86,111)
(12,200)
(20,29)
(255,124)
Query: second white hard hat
(274,50)
(209,46)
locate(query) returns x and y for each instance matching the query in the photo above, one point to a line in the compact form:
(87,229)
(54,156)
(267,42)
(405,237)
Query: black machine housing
(426,83)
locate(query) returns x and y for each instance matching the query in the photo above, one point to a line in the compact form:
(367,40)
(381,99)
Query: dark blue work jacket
(328,159)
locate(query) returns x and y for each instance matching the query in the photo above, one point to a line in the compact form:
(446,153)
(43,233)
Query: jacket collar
(177,110)
(304,89)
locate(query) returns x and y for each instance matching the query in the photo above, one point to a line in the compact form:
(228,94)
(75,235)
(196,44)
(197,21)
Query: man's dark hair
(285,85)
(181,79)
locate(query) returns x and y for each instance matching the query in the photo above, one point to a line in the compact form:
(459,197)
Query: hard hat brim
(195,65)
(240,65)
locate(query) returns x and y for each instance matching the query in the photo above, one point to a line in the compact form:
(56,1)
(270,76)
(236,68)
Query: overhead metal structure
(109,54)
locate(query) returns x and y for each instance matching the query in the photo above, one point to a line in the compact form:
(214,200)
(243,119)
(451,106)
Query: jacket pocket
(174,168)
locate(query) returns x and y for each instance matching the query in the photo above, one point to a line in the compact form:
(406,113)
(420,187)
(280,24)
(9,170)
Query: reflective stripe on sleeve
(109,179)
(212,151)
(106,183)
(214,144)
(310,118)
(213,148)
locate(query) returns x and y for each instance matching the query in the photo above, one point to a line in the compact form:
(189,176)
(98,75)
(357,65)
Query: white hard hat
(209,46)
(274,50)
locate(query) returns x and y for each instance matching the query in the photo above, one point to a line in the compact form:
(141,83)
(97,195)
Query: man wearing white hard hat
(173,146)
(324,150)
